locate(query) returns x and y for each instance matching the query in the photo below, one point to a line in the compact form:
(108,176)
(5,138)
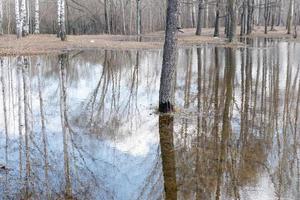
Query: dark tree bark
(167,81)
(199,22)
(168,156)
(231,23)
(216,32)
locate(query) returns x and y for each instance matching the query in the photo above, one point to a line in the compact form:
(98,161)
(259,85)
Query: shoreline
(50,44)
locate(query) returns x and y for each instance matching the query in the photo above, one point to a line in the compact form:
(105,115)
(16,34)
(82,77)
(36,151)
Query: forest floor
(45,43)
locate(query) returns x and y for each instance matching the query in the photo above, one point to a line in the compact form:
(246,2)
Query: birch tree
(23,17)
(37,17)
(167,81)
(18,19)
(61,19)
(1,17)
(58,17)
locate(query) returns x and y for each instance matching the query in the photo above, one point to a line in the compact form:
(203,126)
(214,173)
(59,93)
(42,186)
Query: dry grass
(41,44)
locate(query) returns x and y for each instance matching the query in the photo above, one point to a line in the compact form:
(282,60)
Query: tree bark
(231,23)
(167,81)
(18,19)
(138,17)
(62,30)
(1,17)
(199,18)
(37,17)
(216,32)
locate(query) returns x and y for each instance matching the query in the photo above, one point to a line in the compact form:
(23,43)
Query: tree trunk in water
(167,81)
(216,32)
(199,22)
(37,17)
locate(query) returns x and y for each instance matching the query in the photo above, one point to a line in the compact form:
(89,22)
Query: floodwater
(83,125)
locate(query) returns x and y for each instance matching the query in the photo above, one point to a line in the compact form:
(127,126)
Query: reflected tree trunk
(63,63)
(44,136)
(168,156)
(26,85)
(226,127)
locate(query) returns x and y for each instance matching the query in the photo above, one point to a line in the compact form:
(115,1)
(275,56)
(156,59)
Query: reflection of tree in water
(217,153)
(238,157)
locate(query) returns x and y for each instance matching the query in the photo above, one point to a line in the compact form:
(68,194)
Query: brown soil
(41,44)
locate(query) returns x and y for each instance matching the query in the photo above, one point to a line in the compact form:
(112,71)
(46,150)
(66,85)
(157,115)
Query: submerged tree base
(166,107)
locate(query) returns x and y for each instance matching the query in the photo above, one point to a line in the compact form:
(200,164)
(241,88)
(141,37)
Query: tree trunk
(250,16)
(167,81)
(18,19)
(23,17)
(266,16)
(199,19)
(37,17)
(231,24)
(62,32)
(289,22)
(58,17)
(216,32)
(107,26)
(138,17)
(1,17)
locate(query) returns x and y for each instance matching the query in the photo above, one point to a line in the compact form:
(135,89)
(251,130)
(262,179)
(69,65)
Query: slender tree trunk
(106,17)
(138,17)
(290,16)
(18,19)
(250,16)
(62,32)
(167,81)
(23,17)
(199,18)
(37,17)
(217,19)
(58,17)
(1,17)
(231,24)
(266,13)
(27,25)
(295,25)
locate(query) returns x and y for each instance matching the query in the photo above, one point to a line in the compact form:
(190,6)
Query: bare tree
(167,81)
(37,17)
(1,17)
(199,19)
(18,19)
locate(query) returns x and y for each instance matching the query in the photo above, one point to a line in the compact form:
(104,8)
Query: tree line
(130,17)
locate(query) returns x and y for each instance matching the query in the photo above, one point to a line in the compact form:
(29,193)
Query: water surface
(84,125)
